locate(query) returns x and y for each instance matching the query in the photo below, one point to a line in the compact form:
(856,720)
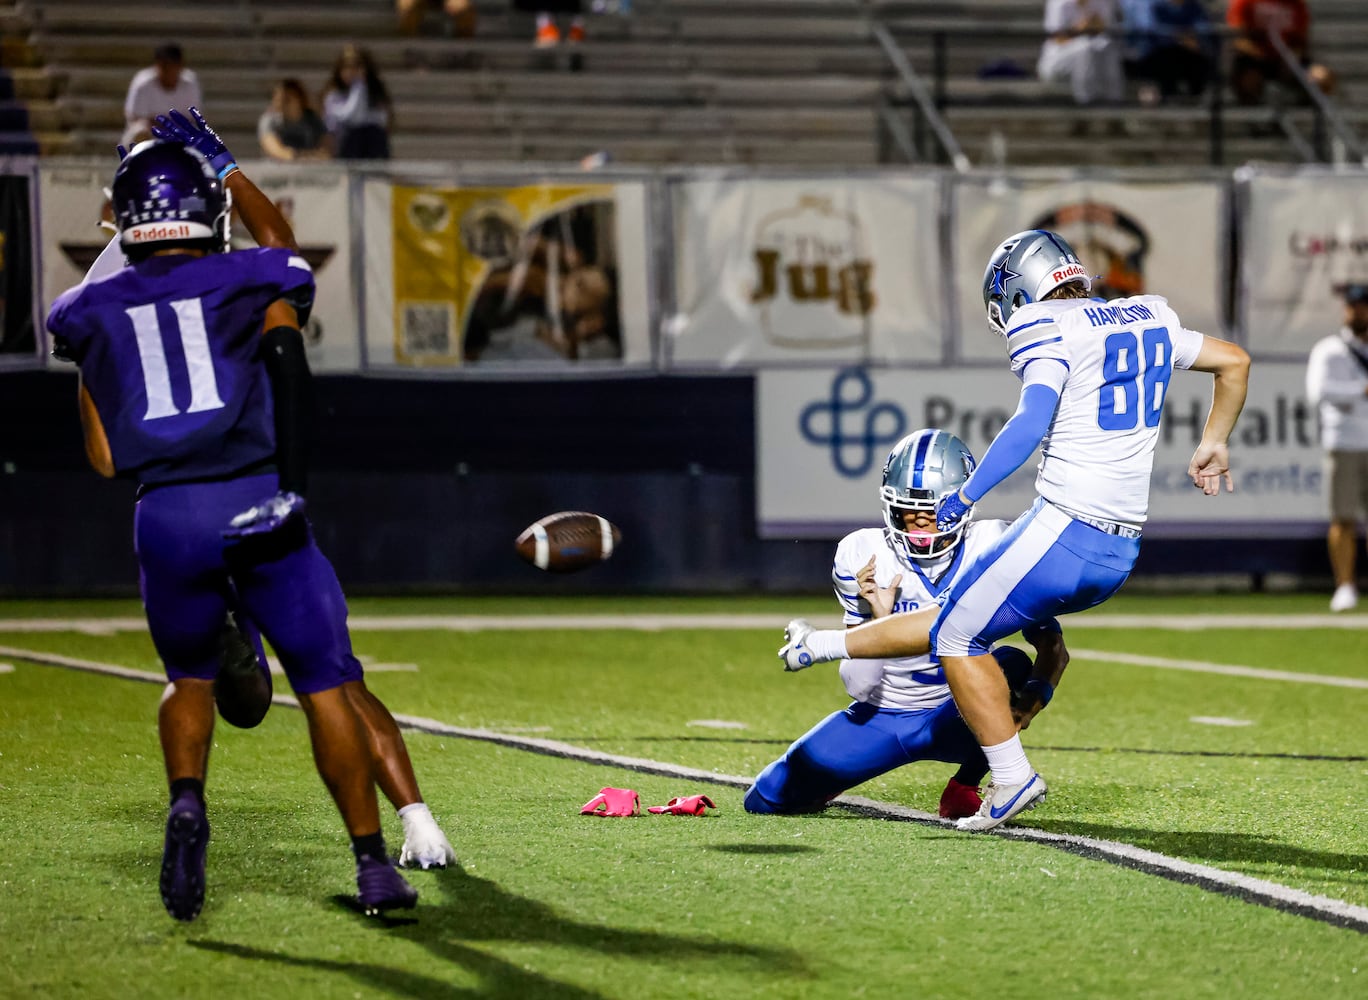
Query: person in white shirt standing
(1337,385)
(1094,376)
(156,89)
(1079,50)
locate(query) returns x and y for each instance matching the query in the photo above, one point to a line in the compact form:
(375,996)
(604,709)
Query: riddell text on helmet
(176,231)
(1072,271)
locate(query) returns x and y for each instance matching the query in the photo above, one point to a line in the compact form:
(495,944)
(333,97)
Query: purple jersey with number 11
(169,351)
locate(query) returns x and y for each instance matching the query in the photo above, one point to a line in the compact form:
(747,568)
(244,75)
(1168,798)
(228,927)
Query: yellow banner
(504,274)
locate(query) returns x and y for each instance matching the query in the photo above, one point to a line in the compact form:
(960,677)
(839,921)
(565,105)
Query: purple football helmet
(165,194)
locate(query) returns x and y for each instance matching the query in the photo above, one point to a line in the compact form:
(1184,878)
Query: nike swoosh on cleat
(996,813)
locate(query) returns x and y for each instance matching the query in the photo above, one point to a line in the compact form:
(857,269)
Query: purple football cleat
(379,887)
(182,871)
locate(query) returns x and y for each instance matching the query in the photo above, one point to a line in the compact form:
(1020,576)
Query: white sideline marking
(716,724)
(1280,897)
(652,622)
(6,668)
(1203,667)
(1219,720)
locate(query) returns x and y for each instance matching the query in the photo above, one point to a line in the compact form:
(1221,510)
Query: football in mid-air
(568,541)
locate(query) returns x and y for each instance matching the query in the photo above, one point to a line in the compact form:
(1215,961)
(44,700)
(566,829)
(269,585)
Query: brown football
(568,541)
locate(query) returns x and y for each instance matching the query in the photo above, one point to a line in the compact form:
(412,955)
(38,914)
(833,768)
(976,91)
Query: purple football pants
(190,576)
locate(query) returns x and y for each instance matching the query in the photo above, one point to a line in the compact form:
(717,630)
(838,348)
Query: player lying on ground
(193,383)
(1094,377)
(903,711)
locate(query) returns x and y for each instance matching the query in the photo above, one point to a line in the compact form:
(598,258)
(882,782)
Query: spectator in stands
(1337,385)
(1170,43)
(356,107)
(1256,61)
(1080,49)
(460,16)
(548,34)
(158,88)
(290,129)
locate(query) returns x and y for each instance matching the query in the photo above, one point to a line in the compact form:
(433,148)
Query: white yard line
(1248,888)
(655,623)
(1204,667)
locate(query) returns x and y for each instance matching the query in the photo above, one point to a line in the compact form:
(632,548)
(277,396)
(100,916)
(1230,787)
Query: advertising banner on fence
(826,269)
(1304,239)
(822,437)
(540,276)
(314,199)
(1160,238)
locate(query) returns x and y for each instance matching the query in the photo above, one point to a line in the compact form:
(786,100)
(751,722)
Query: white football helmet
(922,468)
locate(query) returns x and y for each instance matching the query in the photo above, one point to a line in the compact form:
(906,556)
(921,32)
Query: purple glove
(196,135)
(269,515)
(950,511)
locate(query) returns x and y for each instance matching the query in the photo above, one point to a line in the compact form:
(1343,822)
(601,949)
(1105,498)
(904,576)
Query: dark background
(423,485)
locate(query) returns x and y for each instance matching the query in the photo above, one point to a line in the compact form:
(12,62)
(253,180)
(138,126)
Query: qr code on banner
(427,327)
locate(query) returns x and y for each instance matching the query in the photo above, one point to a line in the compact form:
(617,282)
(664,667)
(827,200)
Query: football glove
(685,805)
(268,516)
(613,802)
(950,511)
(794,652)
(196,135)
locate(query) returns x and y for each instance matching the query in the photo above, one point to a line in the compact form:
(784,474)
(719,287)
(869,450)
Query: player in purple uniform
(195,384)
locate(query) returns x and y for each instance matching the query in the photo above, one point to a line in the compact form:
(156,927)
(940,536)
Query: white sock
(416,811)
(828,644)
(1008,762)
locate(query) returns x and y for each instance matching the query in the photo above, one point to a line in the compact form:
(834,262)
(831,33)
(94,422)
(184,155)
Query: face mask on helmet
(165,195)
(1024,269)
(920,469)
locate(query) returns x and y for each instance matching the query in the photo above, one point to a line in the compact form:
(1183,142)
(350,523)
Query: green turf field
(1248,775)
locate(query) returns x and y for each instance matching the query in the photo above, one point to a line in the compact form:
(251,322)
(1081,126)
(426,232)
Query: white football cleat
(1002,802)
(1345,598)
(425,845)
(794,652)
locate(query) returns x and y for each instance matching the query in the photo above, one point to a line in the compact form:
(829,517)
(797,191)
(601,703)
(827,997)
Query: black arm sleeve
(282,349)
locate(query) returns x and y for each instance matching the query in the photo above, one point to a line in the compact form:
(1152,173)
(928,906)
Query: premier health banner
(823,435)
(313,198)
(1160,238)
(1304,238)
(533,277)
(826,269)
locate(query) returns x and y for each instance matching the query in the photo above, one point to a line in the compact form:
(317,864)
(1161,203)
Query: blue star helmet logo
(1002,273)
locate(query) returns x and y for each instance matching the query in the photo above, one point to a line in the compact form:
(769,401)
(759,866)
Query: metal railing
(1332,139)
(1328,119)
(913,146)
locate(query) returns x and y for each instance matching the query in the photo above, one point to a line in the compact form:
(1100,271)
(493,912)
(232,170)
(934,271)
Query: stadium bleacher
(784,82)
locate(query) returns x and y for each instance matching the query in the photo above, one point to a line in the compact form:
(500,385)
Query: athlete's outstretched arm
(1014,444)
(1229,363)
(259,213)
